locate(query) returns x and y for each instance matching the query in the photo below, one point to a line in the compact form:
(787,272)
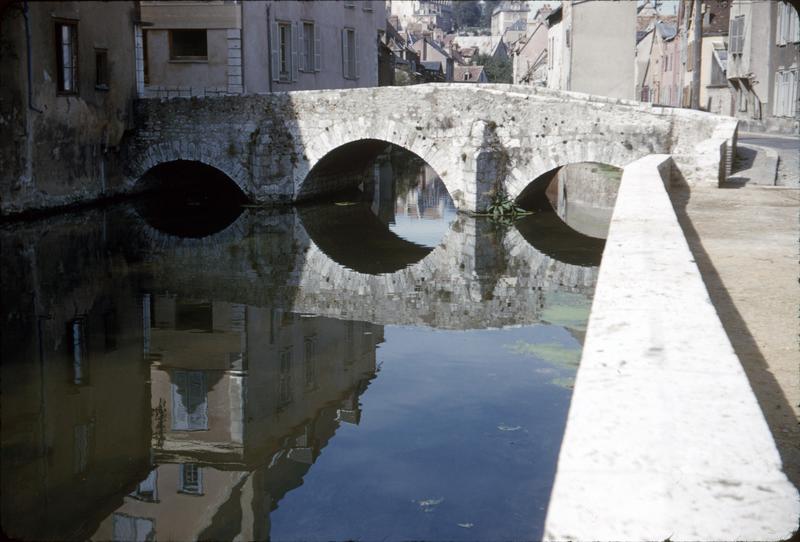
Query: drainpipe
(26,15)
(696,54)
(269,49)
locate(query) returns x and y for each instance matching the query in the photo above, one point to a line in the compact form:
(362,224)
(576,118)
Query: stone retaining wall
(664,437)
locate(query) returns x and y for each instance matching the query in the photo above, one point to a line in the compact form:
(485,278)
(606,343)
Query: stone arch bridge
(478,138)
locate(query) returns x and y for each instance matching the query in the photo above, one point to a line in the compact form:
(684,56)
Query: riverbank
(745,242)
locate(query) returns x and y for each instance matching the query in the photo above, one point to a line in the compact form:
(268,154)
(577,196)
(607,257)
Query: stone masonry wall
(478,138)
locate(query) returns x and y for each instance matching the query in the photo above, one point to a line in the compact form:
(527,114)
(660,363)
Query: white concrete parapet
(664,438)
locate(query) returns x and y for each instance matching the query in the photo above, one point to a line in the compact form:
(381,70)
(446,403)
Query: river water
(372,367)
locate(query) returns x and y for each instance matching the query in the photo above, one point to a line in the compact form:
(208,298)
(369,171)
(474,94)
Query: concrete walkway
(745,239)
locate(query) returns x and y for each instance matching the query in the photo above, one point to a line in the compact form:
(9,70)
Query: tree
(488,8)
(497,70)
(467,13)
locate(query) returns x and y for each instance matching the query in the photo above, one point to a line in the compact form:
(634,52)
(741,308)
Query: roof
(432,65)
(474,73)
(486,45)
(715,23)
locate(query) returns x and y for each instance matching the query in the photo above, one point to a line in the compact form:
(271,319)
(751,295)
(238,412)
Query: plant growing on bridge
(504,209)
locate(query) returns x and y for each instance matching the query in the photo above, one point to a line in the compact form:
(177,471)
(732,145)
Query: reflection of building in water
(426,198)
(75,405)
(244,399)
(400,183)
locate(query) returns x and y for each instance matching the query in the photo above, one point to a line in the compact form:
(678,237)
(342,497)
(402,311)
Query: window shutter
(317,50)
(303,49)
(276,60)
(293,41)
(355,54)
(344,52)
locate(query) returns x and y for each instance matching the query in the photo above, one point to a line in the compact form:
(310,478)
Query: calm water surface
(375,367)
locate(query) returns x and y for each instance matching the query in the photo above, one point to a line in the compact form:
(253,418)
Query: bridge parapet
(478,138)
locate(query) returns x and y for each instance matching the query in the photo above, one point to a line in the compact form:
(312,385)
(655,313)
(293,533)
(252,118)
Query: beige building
(67,72)
(591,47)
(764,63)
(715,93)
(222,47)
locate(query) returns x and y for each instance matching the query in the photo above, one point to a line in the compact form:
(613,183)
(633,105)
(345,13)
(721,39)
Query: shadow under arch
(581,194)
(186,198)
(354,237)
(339,164)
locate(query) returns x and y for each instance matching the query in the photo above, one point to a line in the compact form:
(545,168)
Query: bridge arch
(218,159)
(405,136)
(541,169)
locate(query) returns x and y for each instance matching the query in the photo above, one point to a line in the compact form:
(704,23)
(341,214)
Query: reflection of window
(189,401)
(147,490)
(285,378)
(191,479)
(349,339)
(310,362)
(67,57)
(80,358)
(83,437)
(101,69)
(188,45)
(133,529)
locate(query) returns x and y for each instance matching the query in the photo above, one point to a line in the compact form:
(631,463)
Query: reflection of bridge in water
(478,277)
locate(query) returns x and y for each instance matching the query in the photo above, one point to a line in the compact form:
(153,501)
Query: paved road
(788,149)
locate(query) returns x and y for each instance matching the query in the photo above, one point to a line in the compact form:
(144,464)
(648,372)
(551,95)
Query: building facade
(218,47)
(591,47)
(68,83)
(763,63)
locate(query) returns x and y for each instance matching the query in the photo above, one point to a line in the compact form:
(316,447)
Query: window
(189,401)
(310,362)
(785,102)
(67,57)
(191,479)
(188,45)
(284,52)
(737,35)
(101,69)
(645,93)
(349,54)
(310,55)
(788,29)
